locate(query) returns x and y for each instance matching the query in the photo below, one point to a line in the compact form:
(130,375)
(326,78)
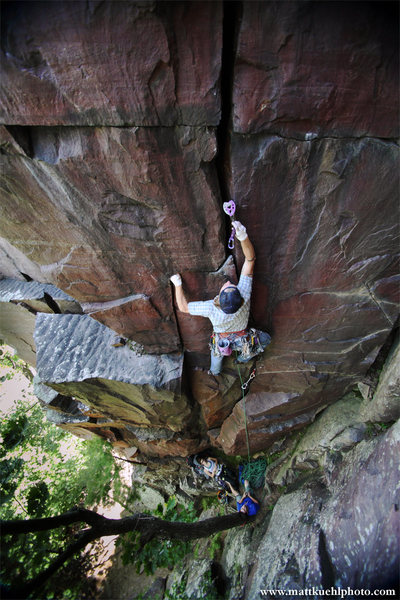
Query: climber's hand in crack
(240,230)
(176,279)
(179,294)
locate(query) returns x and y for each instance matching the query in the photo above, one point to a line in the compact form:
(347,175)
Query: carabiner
(229,209)
(231,241)
(246,383)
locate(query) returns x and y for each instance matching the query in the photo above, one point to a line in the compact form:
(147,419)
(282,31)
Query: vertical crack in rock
(325,563)
(231,22)
(230,26)
(176,318)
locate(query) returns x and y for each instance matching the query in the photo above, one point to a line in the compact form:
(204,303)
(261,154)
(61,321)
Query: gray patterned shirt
(223,323)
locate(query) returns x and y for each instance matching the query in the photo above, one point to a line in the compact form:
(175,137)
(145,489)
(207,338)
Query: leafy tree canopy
(45,471)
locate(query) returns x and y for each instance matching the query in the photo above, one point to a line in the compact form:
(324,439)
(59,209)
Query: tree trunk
(100,526)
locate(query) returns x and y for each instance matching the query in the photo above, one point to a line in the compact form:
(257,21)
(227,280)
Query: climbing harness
(247,342)
(246,383)
(229,209)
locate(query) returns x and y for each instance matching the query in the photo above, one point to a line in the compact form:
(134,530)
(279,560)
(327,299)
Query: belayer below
(229,311)
(246,503)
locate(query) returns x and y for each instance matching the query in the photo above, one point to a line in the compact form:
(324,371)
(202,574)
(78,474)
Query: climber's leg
(216,363)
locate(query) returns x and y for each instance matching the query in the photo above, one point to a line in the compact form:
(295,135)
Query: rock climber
(217,471)
(229,311)
(208,466)
(246,503)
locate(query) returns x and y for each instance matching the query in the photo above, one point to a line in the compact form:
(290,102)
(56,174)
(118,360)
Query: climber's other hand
(240,230)
(176,279)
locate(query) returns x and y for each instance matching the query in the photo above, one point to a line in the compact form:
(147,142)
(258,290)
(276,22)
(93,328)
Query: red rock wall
(112,63)
(124,125)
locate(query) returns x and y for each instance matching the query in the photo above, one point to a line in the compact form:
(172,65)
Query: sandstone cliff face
(328,516)
(125,127)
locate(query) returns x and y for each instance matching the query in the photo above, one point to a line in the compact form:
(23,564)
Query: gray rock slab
(16,328)
(235,560)
(58,418)
(336,429)
(75,356)
(76,348)
(37,296)
(20,301)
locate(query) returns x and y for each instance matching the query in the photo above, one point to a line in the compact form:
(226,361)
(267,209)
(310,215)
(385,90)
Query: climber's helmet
(230,299)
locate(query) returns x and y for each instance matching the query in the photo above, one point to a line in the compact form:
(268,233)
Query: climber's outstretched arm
(179,294)
(247,249)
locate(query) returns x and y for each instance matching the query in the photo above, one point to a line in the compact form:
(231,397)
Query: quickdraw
(246,383)
(229,209)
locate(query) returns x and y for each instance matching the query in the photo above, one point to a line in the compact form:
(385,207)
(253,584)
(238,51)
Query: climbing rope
(254,471)
(244,405)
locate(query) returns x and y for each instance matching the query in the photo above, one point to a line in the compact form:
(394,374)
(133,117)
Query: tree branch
(146,525)
(76,515)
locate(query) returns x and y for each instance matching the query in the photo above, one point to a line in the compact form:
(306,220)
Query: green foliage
(10,476)
(158,554)
(13,432)
(216,545)
(13,362)
(44,472)
(374,429)
(207,587)
(210,502)
(177,591)
(38,496)
(87,478)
